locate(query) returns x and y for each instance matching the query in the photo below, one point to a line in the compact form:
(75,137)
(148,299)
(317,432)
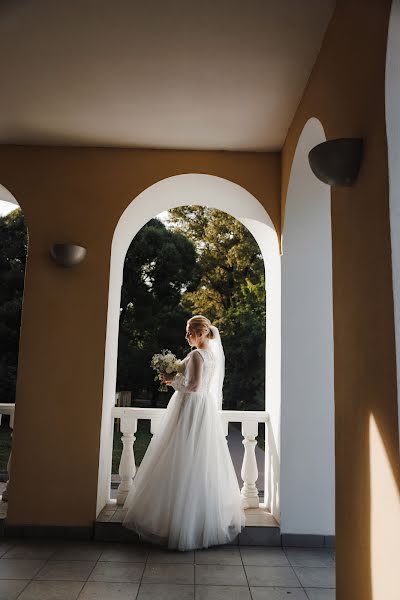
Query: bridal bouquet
(166,363)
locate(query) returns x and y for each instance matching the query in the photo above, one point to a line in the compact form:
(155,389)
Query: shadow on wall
(307,415)
(392,100)
(271,493)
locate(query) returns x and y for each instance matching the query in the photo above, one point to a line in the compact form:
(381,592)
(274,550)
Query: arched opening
(190,260)
(214,192)
(13,251)
(392,97)
(307,471)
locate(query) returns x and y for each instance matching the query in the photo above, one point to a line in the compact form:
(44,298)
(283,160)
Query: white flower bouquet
(165,363)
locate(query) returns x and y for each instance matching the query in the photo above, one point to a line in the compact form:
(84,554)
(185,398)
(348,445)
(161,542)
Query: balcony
(106,568)
(247,458)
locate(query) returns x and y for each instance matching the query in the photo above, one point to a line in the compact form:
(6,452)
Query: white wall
(393,138)
(267,240)
(215,192)
(307,456)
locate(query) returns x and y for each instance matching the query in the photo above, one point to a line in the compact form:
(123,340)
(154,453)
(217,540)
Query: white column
(249,470)
(127,467)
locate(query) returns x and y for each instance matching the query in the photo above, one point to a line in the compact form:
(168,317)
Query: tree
(160,266)
(13,249)
(231,292)
(244,342)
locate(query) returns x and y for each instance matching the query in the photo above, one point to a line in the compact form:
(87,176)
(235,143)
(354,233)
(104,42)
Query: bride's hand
(166,378)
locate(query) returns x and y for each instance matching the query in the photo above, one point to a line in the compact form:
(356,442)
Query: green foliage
(231,293)
(160,265)
(143,438)
(243,330)
(228,256)
(13,249)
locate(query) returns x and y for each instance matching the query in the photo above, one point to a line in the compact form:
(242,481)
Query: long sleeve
(190,381)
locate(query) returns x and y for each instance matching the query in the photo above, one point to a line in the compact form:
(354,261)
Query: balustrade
(129,417)
(248,419)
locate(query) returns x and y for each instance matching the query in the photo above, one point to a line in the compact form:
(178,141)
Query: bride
(185,494)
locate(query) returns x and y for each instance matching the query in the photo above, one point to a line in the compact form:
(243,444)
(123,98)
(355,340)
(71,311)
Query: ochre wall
(77,195)
(346,93)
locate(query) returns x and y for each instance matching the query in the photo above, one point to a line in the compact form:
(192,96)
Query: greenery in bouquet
(165,362)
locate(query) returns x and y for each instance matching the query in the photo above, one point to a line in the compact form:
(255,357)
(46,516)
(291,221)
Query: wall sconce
(67,255)
(337,162)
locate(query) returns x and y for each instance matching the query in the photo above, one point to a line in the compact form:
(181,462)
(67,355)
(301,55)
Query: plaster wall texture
(78,195)
(393,135)
(346,93)
(307,461)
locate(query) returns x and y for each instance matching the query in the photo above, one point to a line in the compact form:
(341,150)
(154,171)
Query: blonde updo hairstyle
(199,324)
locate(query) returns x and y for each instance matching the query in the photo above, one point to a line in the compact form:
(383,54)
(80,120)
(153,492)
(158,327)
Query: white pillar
(127,467)
(249,470)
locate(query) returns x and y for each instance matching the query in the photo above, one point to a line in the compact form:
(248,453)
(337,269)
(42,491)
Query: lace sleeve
(190,381)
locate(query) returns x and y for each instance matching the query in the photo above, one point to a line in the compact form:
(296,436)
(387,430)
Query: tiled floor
(33,570)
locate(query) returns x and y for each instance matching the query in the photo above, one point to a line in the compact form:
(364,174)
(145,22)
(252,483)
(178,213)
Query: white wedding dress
(185,494)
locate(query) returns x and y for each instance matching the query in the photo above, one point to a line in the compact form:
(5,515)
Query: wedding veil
(217,379)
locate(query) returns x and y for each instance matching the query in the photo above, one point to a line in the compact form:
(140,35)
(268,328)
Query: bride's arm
(190,381)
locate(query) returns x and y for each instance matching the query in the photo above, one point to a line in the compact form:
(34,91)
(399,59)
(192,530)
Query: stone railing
(7,409)
(129,418)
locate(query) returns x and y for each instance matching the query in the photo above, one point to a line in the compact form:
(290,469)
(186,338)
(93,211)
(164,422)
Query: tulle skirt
(185,494)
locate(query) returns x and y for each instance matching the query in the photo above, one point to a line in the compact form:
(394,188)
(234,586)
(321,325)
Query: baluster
(224,425)
(127,467)
(249,470)
(4,496)
(155,423)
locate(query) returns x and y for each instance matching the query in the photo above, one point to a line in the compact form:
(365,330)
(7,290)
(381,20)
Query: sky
(163,217)
(6,207)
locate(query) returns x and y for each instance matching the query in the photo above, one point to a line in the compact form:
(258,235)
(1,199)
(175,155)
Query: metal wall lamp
(67,255)
(337,162)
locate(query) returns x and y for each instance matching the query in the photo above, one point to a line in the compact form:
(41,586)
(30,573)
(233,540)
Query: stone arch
(392,99)
(219,193)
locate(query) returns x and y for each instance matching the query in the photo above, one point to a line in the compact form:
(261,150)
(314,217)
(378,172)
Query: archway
(214,192)
(13,258)
(392,97)
(307,472)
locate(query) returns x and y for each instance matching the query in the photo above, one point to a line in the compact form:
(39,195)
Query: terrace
(31,570)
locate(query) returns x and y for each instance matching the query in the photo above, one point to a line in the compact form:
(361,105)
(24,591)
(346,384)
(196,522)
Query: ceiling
(210,74)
